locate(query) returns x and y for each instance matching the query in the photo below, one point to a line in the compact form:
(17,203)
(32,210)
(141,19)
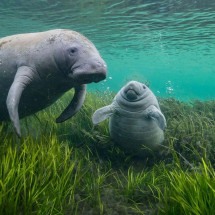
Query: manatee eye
(144,87)
(73,50)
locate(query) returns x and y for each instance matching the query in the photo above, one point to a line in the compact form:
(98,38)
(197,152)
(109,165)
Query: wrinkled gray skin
(135,118)
(37,68)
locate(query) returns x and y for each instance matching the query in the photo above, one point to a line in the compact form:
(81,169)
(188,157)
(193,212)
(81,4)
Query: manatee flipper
(24,76)
(75,105)
(155,114)
(103,113)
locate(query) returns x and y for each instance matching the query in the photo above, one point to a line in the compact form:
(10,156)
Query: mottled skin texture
(37,68)
(135,118)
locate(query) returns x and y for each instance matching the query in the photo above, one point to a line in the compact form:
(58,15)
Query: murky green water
(169,43)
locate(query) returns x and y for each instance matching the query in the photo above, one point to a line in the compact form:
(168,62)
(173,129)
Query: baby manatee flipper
(103,113)
(24,76)
(155,114)
(75,105)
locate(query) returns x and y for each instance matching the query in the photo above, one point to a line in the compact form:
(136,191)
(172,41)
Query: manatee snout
(100,71)
(92,71)
(131,91)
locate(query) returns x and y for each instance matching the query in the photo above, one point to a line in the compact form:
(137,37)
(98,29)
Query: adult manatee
(135,118)
(37,68)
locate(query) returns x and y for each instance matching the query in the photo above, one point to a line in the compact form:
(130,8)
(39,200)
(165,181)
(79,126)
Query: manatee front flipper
(103,113)
(24,76)
(75,105)
(155,114)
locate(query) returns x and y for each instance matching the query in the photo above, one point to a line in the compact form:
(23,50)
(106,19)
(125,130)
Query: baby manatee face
(79,59)
(134,91)
(135,96)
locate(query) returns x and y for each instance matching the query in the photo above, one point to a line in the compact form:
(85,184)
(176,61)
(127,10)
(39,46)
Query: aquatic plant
(188,192)
(37,177)
(191,129)
(75,168)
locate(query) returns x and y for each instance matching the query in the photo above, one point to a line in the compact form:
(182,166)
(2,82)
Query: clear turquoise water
(170,43)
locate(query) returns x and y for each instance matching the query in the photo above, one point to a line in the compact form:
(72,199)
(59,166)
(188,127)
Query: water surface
(169,44)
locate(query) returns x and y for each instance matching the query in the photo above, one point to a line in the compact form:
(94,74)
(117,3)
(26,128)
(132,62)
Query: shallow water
(169,44)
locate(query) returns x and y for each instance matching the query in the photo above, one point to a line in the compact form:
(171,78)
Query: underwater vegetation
(75,168)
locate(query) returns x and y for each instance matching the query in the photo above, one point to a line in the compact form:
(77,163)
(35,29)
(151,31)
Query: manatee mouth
(89,78)
(131,95)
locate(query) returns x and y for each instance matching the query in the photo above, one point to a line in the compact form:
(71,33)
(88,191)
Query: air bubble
(169,87)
